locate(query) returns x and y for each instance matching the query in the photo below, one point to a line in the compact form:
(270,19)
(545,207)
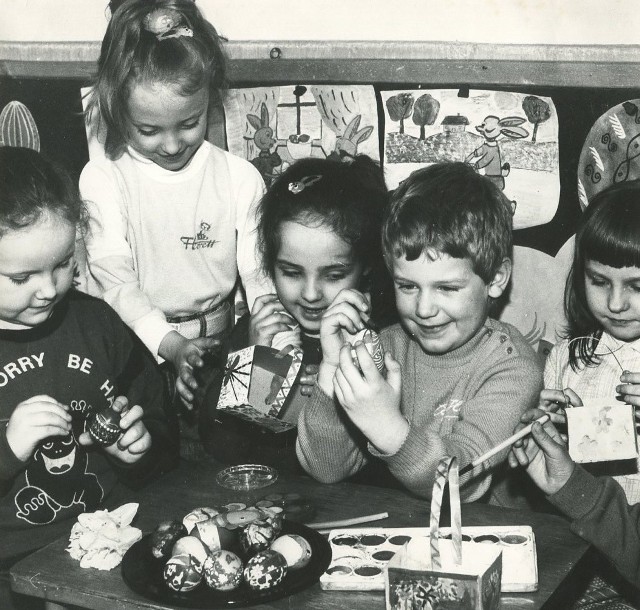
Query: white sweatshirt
(164,243)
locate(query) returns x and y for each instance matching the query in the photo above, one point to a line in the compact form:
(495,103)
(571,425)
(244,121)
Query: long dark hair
(609,233)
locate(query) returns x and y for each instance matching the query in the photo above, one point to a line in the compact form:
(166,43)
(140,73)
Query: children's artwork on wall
(274,126)
(611,152)
(535,304)
(18,128)
(512,138)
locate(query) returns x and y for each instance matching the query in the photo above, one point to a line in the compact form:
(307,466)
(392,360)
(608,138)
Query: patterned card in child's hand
(257,381)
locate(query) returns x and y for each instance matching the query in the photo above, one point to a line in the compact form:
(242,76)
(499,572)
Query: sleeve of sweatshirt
(505,389)
(139,379)
(328,447)
(111,262)
(249,189)
(601,515)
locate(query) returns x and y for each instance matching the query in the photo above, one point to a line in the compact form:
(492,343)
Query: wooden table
(51,573)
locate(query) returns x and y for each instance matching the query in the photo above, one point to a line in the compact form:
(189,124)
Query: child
(319,234)
(172,215)
(457,380)
(62,355)
(597,506)
(602,306)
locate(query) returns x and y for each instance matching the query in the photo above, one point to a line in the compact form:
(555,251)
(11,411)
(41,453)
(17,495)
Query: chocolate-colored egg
(265,570)
(222,570)
(199,514)
(214,536)
(164,536)
(181,573)
(190,545)
(295,549)
(104,426)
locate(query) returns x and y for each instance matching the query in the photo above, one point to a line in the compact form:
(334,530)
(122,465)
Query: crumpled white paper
(100,539)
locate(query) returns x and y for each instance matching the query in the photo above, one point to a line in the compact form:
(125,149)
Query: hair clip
(299,185)
(166,23)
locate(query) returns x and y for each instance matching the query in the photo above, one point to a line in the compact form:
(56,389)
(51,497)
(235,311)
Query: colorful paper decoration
(611,152)
(256,383)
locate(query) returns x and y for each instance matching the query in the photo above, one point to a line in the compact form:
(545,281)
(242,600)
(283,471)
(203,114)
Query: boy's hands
(268,318)
(629,392)
(371,401)
(186,356)
(348,313)
(135,440)
(34,420)
(544,453)
(308,379)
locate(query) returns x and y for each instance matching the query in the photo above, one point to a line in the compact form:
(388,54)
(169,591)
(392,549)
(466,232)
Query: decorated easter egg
(181,573)
(371,341)
(164,536)
(214,536)
(265,570)
(295,549)
(257,536)
(222,570)
(104,426)
(190,545)
(199,514)
(238,518)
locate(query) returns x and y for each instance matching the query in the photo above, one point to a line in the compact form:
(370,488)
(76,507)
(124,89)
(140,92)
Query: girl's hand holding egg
(34,420)
(268,318)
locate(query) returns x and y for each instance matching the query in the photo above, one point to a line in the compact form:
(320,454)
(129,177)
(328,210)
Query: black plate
(143,573)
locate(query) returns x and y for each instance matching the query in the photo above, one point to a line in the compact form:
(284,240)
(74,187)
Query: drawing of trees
(425,112)
(537,112)
(399,107)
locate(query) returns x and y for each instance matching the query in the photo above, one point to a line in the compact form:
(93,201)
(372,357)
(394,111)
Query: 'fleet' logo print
(201,239)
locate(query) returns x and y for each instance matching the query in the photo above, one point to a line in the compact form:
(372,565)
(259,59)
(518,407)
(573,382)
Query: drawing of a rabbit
(347,144)
(263,138)
(487,156)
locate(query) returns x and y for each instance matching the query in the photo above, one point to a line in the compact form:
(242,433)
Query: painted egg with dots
(222,570)
(294,548)
(104,426)
(265,570)
(181,573)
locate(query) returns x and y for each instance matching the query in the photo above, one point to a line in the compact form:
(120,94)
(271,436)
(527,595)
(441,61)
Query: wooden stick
(347,522)
(505,443)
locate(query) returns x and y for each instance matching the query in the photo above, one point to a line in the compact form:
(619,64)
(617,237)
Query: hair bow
(166,23)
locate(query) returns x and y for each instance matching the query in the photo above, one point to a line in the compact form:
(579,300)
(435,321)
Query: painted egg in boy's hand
(104,426)
(371,341)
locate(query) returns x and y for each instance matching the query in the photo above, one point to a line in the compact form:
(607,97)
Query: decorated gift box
(444,572)
(256,383)
(601,431)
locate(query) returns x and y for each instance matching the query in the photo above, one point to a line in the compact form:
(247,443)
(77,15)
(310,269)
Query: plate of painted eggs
(233,555)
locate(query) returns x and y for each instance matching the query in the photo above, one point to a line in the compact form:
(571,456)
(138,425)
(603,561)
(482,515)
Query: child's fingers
(368,367)
(133,415)
(354,297)
(347,366)
(186,395)
(120,404)
(630,377)
(345,316)
(262,301)
(574,399)
(346,391)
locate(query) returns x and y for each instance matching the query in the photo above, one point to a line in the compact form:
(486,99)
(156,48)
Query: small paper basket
(436,572)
